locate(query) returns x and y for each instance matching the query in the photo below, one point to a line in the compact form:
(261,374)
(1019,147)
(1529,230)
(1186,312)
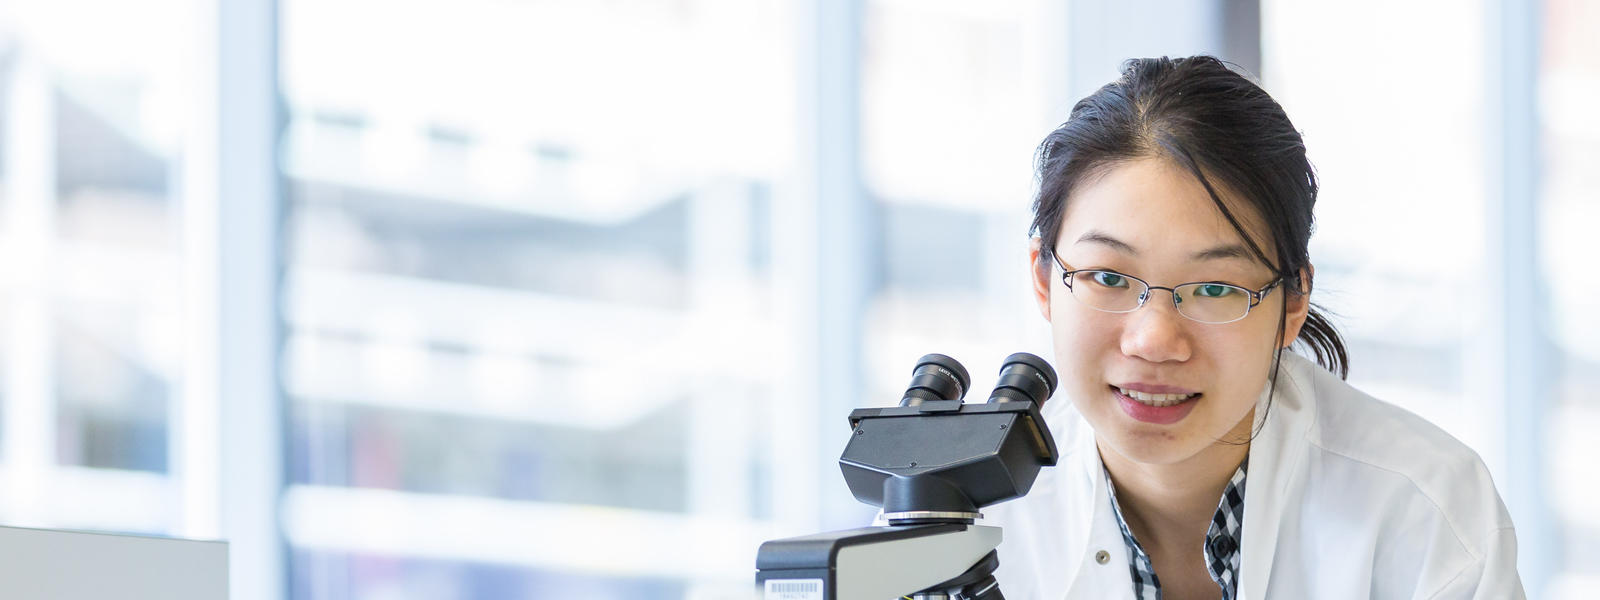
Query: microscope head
(935,459)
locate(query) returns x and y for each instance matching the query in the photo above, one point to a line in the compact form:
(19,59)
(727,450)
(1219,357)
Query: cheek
(1083,344)
(1239,359)
(1257,340)
(1083,332)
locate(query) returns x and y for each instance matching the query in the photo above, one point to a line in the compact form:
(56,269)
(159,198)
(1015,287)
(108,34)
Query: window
(530,344)
(92,305)
(1569,81)
(952,106)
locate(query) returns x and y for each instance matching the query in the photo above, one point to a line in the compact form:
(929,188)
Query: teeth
(1157,400)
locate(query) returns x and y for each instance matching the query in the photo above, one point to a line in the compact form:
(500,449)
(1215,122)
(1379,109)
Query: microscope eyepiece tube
(1024,377)
(936,377)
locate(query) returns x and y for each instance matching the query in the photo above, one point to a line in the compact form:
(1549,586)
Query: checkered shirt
(1221,547)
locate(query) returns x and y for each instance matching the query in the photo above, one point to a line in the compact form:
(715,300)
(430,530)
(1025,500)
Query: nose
(1156,332)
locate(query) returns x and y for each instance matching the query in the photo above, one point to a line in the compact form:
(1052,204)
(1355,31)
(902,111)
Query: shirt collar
(1221,548)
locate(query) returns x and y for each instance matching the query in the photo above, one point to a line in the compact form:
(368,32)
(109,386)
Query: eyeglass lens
(1205,302)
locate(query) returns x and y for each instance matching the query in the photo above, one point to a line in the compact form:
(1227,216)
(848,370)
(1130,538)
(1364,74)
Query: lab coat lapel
(1063,494)
(1079,488)
(1101,581)
(1092,530)
(1273,490)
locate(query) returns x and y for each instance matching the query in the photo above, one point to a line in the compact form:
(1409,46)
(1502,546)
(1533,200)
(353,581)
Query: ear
(1297,305)
(1039,266)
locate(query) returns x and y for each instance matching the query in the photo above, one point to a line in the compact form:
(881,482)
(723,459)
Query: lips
(1155,404)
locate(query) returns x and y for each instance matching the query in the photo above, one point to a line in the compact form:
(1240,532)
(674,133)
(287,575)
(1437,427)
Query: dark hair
(1222,128)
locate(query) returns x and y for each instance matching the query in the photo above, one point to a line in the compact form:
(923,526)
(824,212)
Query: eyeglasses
(1212,302)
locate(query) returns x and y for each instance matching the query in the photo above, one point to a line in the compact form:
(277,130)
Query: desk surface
(72,565)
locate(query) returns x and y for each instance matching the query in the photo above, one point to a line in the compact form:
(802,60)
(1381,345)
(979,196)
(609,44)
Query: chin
(1136,441)
(1146,446)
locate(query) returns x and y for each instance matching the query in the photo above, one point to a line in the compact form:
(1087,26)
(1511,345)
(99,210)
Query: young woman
(1201,456)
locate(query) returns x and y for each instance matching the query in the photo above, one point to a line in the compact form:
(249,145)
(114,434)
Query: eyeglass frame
(1256,297)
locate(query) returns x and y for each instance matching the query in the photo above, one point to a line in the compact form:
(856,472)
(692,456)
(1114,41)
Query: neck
(1163,501)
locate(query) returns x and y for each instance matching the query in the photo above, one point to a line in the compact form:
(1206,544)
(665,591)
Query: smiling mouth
(1156,400)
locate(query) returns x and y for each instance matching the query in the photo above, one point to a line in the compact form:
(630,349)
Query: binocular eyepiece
(1023,377)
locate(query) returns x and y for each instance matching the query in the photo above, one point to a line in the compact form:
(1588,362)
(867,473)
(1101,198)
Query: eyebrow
(1095,236)
(1225,251)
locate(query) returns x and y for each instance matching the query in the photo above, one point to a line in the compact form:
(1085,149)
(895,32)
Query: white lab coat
(1347,497)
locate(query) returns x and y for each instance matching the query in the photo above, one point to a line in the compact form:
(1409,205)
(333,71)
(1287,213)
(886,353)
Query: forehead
(1154,204)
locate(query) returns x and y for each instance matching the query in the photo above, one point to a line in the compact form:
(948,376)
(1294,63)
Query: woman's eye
(1212,290)
(1110,279)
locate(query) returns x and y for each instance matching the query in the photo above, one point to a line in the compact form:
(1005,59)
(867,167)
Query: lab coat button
(1102,557)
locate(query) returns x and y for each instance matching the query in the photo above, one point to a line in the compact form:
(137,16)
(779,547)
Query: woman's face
(1151,220)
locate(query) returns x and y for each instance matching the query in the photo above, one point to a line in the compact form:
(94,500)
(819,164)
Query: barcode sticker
(794,589)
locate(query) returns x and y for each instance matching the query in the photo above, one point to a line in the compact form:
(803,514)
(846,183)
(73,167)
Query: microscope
(930,464)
